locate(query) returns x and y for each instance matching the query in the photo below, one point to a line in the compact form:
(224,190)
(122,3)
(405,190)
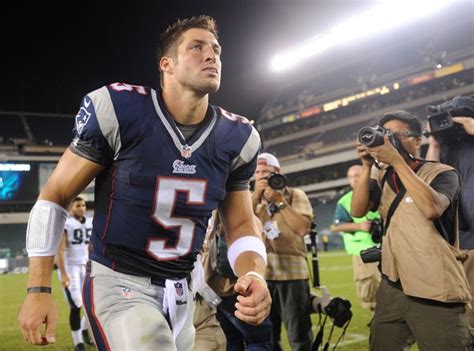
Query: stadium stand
(314,134)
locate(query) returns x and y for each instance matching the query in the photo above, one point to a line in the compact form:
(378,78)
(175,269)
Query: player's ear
(166,64)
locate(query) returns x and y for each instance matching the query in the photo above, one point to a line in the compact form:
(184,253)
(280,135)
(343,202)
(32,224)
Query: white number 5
(167,189)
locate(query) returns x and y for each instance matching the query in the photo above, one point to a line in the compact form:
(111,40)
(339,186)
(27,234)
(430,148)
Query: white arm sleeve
(45,228)
(243,244)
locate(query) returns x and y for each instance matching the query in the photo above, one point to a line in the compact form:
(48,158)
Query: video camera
(277,181)
(442,126)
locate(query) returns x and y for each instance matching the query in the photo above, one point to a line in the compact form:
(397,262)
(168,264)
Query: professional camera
(337,308)
(376,230)
(374,136)
(442,126)
(372,254)
(277,181)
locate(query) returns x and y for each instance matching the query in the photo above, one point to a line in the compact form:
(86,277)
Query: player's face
(401,130)
(78,209)
(198,64)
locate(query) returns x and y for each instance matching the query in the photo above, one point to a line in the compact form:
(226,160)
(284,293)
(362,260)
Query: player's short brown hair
(169,39)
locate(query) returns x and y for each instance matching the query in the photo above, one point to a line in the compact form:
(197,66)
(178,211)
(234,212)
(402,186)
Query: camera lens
(277,181)
(370,136)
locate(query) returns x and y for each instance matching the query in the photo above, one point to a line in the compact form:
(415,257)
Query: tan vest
(286,255)
(415,253)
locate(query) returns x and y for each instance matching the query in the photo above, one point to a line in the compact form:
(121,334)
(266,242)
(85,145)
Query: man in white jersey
(71,259)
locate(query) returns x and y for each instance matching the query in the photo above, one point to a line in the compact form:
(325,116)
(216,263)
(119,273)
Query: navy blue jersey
(154,199)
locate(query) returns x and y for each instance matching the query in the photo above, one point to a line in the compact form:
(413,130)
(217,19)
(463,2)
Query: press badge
(270,229)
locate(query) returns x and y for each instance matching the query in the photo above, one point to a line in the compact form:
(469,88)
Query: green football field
(336,274)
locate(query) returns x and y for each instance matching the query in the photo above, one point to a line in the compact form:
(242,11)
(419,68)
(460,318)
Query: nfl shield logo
(179,288)
(127,293)
(186,151)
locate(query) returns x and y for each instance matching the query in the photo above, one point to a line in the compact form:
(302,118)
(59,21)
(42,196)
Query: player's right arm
(72,174)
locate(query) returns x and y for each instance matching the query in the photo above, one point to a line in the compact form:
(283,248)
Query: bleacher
(51,130)
(314,138)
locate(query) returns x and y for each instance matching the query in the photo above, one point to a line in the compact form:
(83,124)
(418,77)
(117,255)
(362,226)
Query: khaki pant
(469,269)
(367,277)
(209,334)
(434,326)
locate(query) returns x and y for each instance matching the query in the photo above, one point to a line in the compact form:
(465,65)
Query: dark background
(54,53)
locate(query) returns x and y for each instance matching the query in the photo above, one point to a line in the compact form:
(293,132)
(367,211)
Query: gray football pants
(126,312)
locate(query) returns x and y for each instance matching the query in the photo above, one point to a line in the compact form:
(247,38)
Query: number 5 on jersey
(166,195)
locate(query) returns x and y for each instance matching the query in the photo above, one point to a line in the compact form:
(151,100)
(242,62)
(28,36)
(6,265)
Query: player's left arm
(247,256)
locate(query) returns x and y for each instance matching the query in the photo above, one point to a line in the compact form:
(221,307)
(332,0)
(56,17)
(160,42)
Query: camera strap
(400,194)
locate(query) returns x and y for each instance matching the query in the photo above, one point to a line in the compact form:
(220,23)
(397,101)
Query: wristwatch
(281,205)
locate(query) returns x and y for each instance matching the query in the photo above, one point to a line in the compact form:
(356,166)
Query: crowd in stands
(310,146)
(370,104)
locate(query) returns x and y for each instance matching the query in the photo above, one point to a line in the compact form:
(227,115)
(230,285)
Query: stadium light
(385,16)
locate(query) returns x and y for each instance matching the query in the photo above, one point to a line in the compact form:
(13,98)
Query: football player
(71,260)
(163,160)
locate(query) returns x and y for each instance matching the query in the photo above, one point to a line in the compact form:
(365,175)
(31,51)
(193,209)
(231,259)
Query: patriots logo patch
(83,116)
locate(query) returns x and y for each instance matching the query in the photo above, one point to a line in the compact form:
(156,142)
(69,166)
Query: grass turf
(335,270)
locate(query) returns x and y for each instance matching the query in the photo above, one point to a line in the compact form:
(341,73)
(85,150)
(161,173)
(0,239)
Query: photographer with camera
(424,290)
(286,215)
(356,233)
(453,143)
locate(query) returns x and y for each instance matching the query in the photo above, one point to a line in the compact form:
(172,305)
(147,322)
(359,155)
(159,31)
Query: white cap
(268,160)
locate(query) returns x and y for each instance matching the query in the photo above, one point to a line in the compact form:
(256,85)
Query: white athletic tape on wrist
(257,275)
(244,244)
(45,228)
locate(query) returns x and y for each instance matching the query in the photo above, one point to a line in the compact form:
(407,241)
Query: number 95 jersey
(155,197)
(77,244)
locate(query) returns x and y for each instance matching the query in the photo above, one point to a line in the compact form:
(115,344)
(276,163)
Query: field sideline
(335,270)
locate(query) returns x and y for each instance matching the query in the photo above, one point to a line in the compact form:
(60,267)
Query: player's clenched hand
(38,308)
(254,301)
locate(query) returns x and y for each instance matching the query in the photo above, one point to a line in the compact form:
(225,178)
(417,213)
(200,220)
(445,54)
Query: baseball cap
(268,160)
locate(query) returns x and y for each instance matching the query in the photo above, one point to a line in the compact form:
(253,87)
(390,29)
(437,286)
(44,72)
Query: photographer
(458,152)
(286,215)
(357,237)
(424,290)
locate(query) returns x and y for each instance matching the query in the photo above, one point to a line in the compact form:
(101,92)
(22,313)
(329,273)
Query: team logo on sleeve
(83,116)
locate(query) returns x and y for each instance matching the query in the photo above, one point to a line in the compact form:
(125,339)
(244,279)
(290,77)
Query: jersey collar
(185,147)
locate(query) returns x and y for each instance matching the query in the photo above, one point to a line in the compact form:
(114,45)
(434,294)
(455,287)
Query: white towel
(178,302)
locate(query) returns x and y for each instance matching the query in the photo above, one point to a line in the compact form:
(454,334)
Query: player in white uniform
(72,257)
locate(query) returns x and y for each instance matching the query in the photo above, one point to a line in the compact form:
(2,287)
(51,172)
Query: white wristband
(244,244)
(257,275)
(45,228)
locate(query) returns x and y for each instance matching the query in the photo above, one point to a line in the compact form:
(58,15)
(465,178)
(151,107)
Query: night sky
(54,54)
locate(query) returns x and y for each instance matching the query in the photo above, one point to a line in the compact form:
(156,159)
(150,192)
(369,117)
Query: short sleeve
(243,166)
(447,183)
(96,130)
(301,204)
(341,215)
